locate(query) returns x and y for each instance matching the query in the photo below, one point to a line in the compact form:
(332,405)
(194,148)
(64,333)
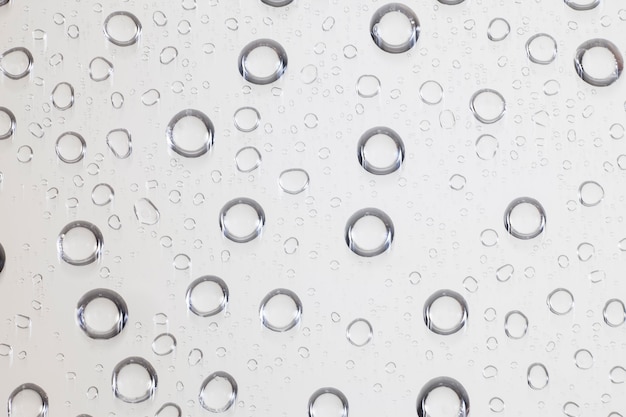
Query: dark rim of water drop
(498,38)
(277,3)
(43,412)
(397,140)
(26,71)
(179,411)
(12,122)
(207,278)
(296,301)
(509,210)
(450,383)
(136,360)
(289,190)
(71,103)
(233,396)
(329,390)
(581,7)
(280,69)
(112,148)
(190,153)
(382,216)
(115,298)
(529,379)
(260,216)
(83,146)
(118,42)
(598,43)
(451,2)
(605,312)
(97,235)
(551,307)
(3,258)
(534,59)
(429,303)
(3,2)
(107,75)
(477,115)
(386,46)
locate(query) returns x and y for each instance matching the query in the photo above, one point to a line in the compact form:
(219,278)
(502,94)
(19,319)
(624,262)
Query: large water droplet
(380,151)
(293,181)
(190,133)
(359,332)
(560,301)
(442,397)
(582,4)
(101,313)
(395,28)
(63,96)
(218,392)
(28,400)
(537,376)
(280,310)
(247,119)
(134,380)
(146,212)
(7,123)
(445,312)
(262,61)
(80,243)
(369,232)
(487,105)
(70,147)
(598,62)
(100,69)
(207,296)
(242,220)
(16,62)
(515,324)
(122,28)
(541,48)
(525,218)
(328,402)
(498,29)
(120,143)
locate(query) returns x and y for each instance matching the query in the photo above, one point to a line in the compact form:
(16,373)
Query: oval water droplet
(537,376)
(590,193)
(247,159)
(262,61)
(247,119)
(70,147)
(541,49)
(63,96)
(100,69)
(207,296)
(380,150)
(242,220)
(16,63)
(369,232)
(431,92)
(583,359)
(151,97)
(120,143)
(190,133)
(486,147)
(598,62)
(328,402)
(359,332)
(122,28)
(515,324)
(487,105)
(280,310)
(28,400)
(395,28)
(163,344)
(218,392)
(80,243)
(445,312)
(498,29)
(102,194)
(146,212)
(525,218)
(168,54)
(614,312)
(101,313)
(443,396)
(134,380)
(293,181)
(7,123)
(560,301)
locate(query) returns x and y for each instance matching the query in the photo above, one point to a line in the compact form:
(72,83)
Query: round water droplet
(247,159)
(122,28)
(445,312)
(590,193)
(487,105)
(146,212)
(277,3)
(242,220)
(16,63)
(486,147)
(80,243)
(380,151)
(163,344)
(560,301)
(120,143)
(102,194)
(515,324)
(582,4)
(101,313)
(537,376)
(598,62)
(525,218)
(246,119)
(262,61)
(617,375)
(496,404)
(151,97)
(100,69)
(583,359)
(489,238)
(134,380)
(541,48)
(207,296)
(442,397)
(293,181)
(190,133)
(70,147)
(308,74)
(359,332)
(614,312)
(63,96)
(7,123)
(328,402)
(498,29)
(369,232)
(457,182)
(395,28)
(431,92)
(368,86)
(218,392)
(280,310)
(28,400)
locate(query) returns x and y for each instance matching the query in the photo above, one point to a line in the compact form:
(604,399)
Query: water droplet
(590,193)
(598,62)
(551,87)
(134,380)
(537,376)
(70,147)
(218,392)
(431,92)
(498,29)
(146,212)
(262,61)
(80,243)
(457,182)
(163,344)
(380,151)
(16,63)
(489,238)
(541,48)
(359,332)
(190,133)
(277,3)
(496,405)
(63,96)
(560,301)
(100,69)
(617,375)
(102,194)
(443,396)
(395,28)
(486,147)
(248,159)
(571,409)
(293,181)
(7,123)
(515,324)
(308,74)
(168,54)
(22,321)
(445,312)
(246,119)
(122,28)
(368,86)
(194,357)
(120,143)
(280,310)
(101,313)
(328,402)
(151,97)
(487,105)
(182,262)
(369,232)
(614,312)
(525,218)
(582,4)
(207,296)
(117,100)
(242,220)
(169,410)
(28,400)
(451,3)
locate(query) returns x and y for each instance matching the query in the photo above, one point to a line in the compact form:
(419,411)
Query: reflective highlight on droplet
(611,62)
(122,28)
(445,312)
(328,401)
(22,401)
(80,243)
(101,313)
(380,150)
(16,63)
(218,392)
(242,220)
(262,61)
(525,218)
(190,133)
(443,393)
(369,232)
(394,28)
(207,296)
(134,380)
(280,310)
